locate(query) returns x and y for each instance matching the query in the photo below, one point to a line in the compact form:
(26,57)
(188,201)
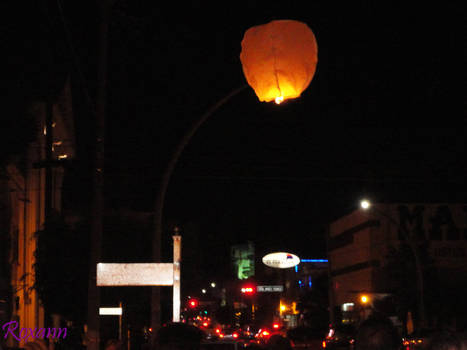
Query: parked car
(418,339)
(306,337)
(230,334)
(340,337)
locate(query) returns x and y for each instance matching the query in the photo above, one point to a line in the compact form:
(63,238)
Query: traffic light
(248,290)
(193,303)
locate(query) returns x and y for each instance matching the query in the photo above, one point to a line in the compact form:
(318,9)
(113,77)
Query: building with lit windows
(359,244)
(32,185)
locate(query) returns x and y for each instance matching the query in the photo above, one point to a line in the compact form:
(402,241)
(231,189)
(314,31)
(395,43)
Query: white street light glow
(365,204)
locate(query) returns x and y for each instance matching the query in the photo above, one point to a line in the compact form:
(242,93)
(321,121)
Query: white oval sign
(281,260)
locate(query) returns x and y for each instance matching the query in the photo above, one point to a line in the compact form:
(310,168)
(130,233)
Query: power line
(398,180)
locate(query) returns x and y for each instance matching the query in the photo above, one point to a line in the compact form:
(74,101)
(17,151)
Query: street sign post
(150,274)
(114,311)
(146,274)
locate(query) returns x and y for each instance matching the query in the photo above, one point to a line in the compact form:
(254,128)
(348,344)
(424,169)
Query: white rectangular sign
(145,274)
(270,288)
(117,311)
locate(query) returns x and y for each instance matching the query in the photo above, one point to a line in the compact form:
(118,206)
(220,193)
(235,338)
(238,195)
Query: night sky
(384,116)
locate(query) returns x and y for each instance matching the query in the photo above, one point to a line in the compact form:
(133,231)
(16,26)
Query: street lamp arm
(160,196)
(165,179)
(392,220)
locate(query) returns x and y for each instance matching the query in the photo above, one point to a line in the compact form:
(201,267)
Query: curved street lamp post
(160,197)
(279,60)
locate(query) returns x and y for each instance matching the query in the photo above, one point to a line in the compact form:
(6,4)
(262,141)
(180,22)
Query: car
(247,336)
(340,337)
(306,337)
(230,334)
(418,339)
(212,333)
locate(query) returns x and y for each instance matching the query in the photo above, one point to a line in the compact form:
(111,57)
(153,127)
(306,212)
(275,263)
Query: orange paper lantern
(279,59)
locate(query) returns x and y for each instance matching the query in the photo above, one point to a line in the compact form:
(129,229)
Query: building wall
(27,200)
(26,178)
(359,243)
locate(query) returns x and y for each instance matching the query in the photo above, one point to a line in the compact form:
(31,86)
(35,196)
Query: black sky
(384,115)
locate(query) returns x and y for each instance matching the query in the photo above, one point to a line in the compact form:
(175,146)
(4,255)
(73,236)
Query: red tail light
(235,335)
(275,326)
(324,344)
(218,330)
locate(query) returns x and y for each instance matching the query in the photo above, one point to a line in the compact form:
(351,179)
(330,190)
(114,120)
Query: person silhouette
(377,333)
(179,336)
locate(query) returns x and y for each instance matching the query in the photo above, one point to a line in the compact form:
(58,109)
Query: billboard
(243,260)
(281,260)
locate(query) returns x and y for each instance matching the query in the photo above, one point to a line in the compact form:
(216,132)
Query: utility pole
(160,198)
(332,317)
(48,157)
(177,258)
(120,321)
(98,180)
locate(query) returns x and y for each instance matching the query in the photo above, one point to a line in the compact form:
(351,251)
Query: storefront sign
(281,260)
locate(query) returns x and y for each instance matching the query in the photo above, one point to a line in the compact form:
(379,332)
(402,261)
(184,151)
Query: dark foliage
(19,128)
(450,305)
(38,65)
(314,304)
(61,268)
(402,278)
(385,306)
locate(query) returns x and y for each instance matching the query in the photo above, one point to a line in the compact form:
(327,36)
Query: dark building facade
(360,243)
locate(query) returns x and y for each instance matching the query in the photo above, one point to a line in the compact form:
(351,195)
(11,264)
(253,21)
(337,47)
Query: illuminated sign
(117,311)
(270,288)
(146,274)
(281,260)
(243,259)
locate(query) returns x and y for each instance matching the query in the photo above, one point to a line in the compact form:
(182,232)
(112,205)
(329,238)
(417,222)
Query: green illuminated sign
(243,258)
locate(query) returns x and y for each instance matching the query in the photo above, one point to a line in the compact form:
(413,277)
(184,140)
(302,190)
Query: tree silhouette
(61,268)
(314,303)
(400,271)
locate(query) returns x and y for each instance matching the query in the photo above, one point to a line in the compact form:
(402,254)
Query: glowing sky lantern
(279,59)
